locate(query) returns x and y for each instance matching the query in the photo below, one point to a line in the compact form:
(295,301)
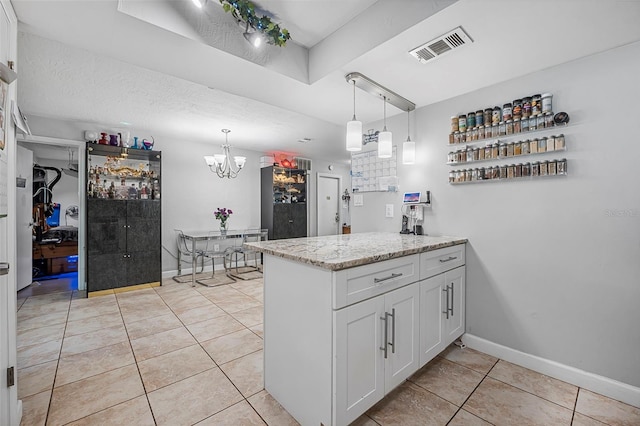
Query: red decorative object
(286,163)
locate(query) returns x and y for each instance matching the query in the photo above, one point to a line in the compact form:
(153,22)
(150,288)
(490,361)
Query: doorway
(49,224)
(328,204)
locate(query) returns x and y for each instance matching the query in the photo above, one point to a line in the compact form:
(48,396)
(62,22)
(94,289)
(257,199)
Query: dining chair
(186,254)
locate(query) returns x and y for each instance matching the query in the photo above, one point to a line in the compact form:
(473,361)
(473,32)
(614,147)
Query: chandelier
(222,164)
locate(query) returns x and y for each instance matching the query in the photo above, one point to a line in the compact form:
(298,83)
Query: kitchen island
(350,317)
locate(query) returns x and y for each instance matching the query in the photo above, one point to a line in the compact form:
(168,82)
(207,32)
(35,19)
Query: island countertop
(335,252)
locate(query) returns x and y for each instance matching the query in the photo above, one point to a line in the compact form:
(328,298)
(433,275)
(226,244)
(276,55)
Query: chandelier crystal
(223,164)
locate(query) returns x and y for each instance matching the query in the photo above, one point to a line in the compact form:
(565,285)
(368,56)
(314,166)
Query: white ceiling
(88,63)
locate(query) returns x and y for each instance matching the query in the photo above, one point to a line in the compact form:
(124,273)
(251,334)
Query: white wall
(552,264)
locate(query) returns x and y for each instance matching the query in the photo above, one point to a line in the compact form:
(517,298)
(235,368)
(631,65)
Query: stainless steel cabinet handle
(446,310)
(4,268)
(392,276)
(385,346)
(449,259)
(393,330)
(452,299)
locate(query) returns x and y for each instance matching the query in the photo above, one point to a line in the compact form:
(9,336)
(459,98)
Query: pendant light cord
(354,100)
(408,126)
(384,114)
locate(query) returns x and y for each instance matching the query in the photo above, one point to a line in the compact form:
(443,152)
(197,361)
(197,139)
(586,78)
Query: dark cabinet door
(106,271)
(281,220)
(144,267)
(298,220)
(143,226)
(106,221)
(289,220)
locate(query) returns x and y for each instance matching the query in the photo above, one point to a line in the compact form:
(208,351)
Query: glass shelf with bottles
(503,150)
(122,178)
(289,185)
(510,172)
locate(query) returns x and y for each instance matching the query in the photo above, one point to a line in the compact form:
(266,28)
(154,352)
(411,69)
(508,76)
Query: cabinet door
(144,267)
(143,226)
(298,220)
(432,302)
(106,221)
(281,221)
(359,361)
(403,334)
(455,281)
(106,271)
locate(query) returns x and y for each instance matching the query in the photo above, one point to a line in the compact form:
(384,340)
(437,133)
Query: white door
(432,298)
(359,333)
(454,280)
(403,354)
(24,209)
(328,204)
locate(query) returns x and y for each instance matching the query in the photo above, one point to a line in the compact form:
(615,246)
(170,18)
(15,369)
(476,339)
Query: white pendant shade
(219,158)
(385,144)
(210,160)
(354,135)
(240,161)
(409,152)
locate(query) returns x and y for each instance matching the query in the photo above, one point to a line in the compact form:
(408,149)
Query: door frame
(81,148)
(328,176)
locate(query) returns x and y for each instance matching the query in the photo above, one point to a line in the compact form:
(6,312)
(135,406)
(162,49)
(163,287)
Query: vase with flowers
(222,214)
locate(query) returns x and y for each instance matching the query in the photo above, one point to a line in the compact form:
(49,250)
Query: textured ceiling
(86,62)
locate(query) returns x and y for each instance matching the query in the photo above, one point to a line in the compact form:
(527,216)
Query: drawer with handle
(441,260)
(362,282)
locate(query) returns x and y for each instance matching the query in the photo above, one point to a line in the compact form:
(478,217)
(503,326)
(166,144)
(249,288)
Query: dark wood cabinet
(123,235)
(284,204)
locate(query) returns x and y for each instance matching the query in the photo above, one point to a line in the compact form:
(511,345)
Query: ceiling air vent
(441,45)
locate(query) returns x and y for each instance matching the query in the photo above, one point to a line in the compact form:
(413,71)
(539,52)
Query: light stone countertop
(337,252)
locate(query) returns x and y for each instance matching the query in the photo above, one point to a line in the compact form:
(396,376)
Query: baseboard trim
(174,272)
(593,382)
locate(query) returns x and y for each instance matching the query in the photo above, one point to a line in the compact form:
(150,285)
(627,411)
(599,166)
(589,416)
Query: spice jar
(452,138)
(474,134)
(476,154)
(481,173)
(502,153)
(454,124)
(495,130)
(451,157)
(510,149)
(471,120)
(525,147)
(551,143)
(494,150)
(503,172)
(488,112)
(511,171)
(469,154)
(456,137)
(542,145)
(509,127)
(496,115)
(535,169)
(462,123)
(462,155)
(452,176)
(548,120)
(536,104)
(481,134)
(495,174)
(559,142)
(502,129)
(526,169)
(516,125)
(526,107)
(533,122)
(487,130)
(517,148)
(544,168)
(518,172)
(474,174)
(533,146)
(524,124)
(507,112)
(562,166)
(541,121)
(552,168)
(479,118)
(547,99)
(517,108)
(487,152)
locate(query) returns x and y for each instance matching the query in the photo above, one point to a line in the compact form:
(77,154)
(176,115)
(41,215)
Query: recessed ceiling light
(304,140)
(125,123)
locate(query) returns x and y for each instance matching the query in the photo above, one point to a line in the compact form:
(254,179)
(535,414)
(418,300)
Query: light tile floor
(182,355)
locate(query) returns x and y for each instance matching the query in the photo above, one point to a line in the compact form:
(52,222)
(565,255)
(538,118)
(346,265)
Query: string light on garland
(244,10)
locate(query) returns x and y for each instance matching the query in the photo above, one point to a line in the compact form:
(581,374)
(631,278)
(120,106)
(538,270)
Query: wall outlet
(216,247)
(389,210)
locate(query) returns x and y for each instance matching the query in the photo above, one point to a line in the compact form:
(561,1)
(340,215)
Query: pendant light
(354,128)
(408,147)
(385,142)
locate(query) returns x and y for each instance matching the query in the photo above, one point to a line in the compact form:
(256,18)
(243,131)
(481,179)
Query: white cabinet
(376,349)
(442,312)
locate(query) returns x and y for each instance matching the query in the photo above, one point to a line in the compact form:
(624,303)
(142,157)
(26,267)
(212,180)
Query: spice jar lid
(509,121)
(508,104)
(462,116)
(516,119)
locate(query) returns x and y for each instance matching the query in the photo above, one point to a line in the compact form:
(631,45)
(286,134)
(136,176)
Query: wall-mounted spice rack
(509,172)
(501,150)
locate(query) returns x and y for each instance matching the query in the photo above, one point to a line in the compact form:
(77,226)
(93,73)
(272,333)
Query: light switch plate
(389,210)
